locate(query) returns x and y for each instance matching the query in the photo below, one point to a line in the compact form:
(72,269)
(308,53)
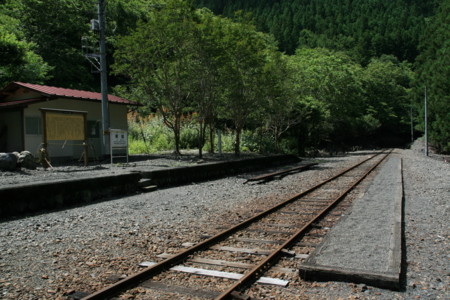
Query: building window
(93,129)
(33,125)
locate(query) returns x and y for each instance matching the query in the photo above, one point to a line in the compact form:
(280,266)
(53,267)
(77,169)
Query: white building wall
(74,149)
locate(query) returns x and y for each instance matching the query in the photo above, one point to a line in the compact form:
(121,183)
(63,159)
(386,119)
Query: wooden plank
(232,264)
(275,242)
(314,200)
(277,225)
(257,241)
(290,212)
(257,251)
(154,285)
(242,250)
(270,231)
(221,274)
(286,252)
(309,245)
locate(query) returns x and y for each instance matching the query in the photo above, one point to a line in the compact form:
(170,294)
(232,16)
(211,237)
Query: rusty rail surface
(158,268)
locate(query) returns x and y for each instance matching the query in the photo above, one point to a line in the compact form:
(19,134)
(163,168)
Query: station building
(31,114)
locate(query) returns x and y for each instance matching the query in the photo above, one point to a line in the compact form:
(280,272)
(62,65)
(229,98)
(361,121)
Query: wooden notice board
(65,127)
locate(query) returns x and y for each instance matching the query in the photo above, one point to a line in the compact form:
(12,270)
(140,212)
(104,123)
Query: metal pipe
(426,124)
(103,75)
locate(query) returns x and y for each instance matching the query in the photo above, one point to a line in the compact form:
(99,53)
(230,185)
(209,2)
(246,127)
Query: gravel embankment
(83,249)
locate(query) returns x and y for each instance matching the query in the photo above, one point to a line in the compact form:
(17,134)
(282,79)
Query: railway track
(232,263)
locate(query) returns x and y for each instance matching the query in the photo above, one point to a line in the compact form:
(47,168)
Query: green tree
(55,27)
(434,73)
(18,59)
(280,110)
(207,86)
(388,95)
(246,52)
(331,83)
(158,57)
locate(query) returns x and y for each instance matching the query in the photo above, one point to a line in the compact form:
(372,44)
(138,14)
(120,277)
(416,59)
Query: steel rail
(164,265)
(269,261)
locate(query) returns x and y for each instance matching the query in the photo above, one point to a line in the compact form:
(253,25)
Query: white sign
(119,138)
(119,141)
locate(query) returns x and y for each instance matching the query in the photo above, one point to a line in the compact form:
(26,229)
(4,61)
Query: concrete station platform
(21,199)
(365,246)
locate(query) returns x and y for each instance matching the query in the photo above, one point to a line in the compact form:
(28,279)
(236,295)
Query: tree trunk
(211,138)
(201,138)
(143,135)
(300,143)
(177,134)
(277,139)
(237,142)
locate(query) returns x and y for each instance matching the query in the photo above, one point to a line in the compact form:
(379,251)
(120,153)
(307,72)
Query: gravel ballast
(51,255)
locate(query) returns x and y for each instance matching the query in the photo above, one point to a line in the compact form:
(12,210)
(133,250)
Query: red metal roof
(20,102)
(69,93)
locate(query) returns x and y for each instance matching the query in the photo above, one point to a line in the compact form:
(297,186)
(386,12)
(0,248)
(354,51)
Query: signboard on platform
(118,141)
(119,138)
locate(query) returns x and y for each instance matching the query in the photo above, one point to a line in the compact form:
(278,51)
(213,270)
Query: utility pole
(426,124)
(103,75)
(412,123)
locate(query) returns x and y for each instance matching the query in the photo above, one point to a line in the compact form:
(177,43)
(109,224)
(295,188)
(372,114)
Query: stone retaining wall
(18,200)
(208,171)
(30,198)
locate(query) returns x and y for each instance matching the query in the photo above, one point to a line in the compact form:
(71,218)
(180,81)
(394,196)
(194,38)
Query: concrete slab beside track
(366,246)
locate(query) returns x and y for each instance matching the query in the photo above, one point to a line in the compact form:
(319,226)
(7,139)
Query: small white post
(426,124)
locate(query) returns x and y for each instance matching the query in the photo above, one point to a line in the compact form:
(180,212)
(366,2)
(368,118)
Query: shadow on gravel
(404,262)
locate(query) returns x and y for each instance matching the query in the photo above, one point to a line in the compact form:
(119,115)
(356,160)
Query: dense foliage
(434,75)
(50,32)
(347,73)
(366,28)
(19,60)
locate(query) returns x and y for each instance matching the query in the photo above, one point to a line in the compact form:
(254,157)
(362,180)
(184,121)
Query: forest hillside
(276,75)
(366,28)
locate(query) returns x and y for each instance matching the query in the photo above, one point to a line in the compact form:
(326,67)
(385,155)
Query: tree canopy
(365,28)
(434,74)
